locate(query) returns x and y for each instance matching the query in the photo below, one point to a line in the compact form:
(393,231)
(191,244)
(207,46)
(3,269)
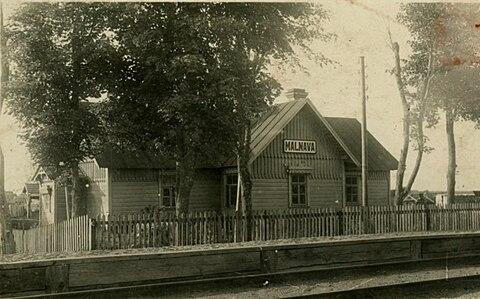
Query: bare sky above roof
(361,29)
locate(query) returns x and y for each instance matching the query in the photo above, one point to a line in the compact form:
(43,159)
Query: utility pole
(364,136)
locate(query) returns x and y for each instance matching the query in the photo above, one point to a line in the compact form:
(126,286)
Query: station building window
(231,185)
(168,197)
(298,190)
(168,191)
(351,190)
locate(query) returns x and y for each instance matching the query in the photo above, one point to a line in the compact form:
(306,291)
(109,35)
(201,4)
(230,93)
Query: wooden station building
(300,159)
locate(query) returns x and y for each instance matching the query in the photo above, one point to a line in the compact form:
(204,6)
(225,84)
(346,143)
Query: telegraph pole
(364,136)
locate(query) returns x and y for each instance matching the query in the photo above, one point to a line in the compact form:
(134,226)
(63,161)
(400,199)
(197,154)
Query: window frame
(227,189)
(290,191)
(166,182)
(350,185)
(171,196)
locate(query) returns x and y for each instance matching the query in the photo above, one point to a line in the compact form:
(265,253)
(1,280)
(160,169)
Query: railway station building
(300,159)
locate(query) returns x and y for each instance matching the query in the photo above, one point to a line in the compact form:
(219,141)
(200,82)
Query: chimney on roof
(296,94)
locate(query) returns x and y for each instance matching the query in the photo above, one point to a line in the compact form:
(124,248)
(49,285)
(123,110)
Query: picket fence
(140,230)
(71,235)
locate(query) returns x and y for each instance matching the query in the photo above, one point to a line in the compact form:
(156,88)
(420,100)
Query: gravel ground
(66,255)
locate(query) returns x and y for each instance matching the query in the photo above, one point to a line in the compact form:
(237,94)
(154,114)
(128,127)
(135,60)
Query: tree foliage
(193,76)
(184,80)
(60,57)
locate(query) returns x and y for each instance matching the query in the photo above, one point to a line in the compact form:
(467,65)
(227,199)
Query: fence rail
(153,230)
(71,235)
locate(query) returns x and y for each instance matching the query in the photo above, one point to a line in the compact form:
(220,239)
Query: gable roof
(346,131)
(350,130)
(417,198)
(50,171)
(31,188)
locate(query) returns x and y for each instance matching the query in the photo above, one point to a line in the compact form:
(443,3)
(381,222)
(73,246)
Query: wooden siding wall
(135,189)
(269,170)
(326,162)
(270,194)
(97,200)
(273,193)
(325,193)
(378,188)
(206,190)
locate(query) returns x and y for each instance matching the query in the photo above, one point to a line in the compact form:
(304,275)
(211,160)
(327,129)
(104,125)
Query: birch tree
(444,41)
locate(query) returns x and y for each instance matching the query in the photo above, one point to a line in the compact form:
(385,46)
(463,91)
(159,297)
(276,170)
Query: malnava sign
(299,146)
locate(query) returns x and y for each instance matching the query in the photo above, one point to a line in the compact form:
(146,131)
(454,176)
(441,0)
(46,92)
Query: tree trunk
(185,180)
(67,204)
(7,243)
(399,192)
(421,118)
(75,194)
(76,68)
(185,173)
(418,161)
(452,164)
(246,178)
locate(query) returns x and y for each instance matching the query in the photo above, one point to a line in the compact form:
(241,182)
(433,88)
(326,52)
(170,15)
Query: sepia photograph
(240,149)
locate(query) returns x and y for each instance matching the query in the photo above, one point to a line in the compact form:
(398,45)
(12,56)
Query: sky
(361,28)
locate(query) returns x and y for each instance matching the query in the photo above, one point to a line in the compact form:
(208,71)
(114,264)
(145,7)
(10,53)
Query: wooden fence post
(427,217)
(340,222)
(92,224)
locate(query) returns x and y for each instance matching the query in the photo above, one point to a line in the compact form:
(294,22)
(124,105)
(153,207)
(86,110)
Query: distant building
(460,197)
(418,198)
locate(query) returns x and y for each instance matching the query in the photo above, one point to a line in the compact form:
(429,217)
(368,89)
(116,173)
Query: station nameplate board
(299,146)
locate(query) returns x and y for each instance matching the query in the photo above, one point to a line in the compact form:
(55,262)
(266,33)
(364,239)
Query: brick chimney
(296,94)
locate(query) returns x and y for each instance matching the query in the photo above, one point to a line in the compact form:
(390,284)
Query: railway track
(445,288)
(361,282)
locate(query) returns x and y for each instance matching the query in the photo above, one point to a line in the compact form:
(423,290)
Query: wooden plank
(344,254)
(111,272)
(24,279)
(450,246)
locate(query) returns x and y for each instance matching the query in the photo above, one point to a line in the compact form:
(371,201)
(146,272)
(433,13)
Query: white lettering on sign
(299,146)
